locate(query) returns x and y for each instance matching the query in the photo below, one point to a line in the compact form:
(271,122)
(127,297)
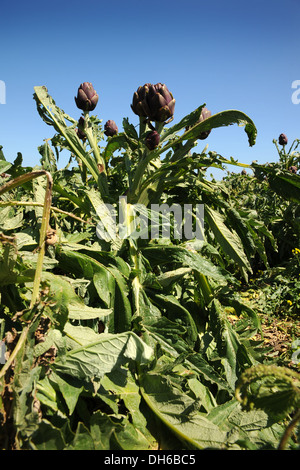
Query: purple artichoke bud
(282,139)
(110,128)
(139,103)
(79,130)
(205,113)
(152,140)
(293,169)
(87,98)
(154,102)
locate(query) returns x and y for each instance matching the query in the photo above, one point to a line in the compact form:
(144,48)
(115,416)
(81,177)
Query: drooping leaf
(182,256)
(224,118)
(100,353)
(229,241)
(84,266)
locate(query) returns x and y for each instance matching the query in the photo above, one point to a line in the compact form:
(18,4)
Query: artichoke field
(114,339)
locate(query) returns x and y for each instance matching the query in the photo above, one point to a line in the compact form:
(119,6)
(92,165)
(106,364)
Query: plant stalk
(128,218)
(289,430)
(88,130)
(43,232)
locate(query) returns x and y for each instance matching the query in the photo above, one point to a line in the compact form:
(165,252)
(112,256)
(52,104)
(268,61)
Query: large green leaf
(67,302)
(122,386)
(228,240)
(103,277)
(106,227)
(99,354)
(224,118)
(176,411)
(182,256)
(177,313)
(233,355)
(246,429)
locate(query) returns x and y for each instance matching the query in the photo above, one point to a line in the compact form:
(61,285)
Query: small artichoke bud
(154,102)
(205,113)
(293,169)
(87,98)
(110,128)
(79,129)
(282,139)
(152,140)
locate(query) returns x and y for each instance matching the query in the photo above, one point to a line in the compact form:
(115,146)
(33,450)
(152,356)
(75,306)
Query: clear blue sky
(227,54)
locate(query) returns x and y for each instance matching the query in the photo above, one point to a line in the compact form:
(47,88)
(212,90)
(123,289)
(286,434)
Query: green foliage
(117,342)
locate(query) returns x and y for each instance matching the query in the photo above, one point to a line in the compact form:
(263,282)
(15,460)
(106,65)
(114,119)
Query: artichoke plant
(87,98)
(154,102)
(110,128)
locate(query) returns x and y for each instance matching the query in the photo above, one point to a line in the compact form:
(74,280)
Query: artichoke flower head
(154,102)
(152,139)
(87,98)
(110,128)
(282,139)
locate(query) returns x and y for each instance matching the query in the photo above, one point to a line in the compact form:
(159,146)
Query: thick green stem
(205,287)
(139,173)
(102,179)
(128,219)
(143,126)
(88,130)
